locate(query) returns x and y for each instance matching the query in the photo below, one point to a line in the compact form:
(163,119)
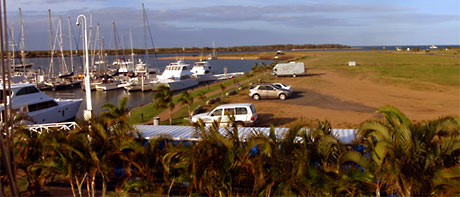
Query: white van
(289,69)
(245,114)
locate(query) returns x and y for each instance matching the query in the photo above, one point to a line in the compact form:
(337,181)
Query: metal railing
(44,127)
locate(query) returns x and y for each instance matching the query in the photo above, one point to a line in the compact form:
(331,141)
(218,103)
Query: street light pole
(88,113)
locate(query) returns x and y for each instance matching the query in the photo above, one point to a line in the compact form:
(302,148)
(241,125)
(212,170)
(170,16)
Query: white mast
(70,44)
(145,35)
(13,50)
(131,41)
(51,71)
(115,39)
(23,57)
(63,65)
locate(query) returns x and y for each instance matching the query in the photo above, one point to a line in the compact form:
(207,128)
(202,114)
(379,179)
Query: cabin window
(27,90)
(42,105)
(184,68)
(206,71)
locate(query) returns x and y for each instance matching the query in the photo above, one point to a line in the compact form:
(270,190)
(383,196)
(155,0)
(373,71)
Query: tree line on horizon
(276,47)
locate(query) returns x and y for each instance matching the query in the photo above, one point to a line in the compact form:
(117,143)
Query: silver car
(268,91)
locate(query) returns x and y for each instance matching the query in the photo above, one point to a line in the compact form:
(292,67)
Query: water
(135,99)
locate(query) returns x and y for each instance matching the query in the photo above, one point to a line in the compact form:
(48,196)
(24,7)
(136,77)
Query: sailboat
(213,56)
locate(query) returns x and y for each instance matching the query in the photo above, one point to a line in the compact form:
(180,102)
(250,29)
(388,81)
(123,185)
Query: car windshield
(277,86)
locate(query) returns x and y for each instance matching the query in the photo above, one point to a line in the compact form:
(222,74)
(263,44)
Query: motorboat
(108,85)
(202,71)
(126,67)
(38,106)
(176,76)
(141,68)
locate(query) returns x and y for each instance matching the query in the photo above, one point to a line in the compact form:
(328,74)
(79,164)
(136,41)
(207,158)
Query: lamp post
(87,114)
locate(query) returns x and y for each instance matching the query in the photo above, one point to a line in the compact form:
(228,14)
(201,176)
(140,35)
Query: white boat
(202,71)
(126,67)
(39,106)
(433,47)
(213,56)
(141,68)
(138,86)
(108,85)
(176,76)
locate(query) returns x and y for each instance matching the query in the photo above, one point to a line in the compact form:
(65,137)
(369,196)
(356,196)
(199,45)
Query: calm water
(134,98)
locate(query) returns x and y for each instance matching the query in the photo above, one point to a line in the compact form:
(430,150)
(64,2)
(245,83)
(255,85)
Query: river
(99,98)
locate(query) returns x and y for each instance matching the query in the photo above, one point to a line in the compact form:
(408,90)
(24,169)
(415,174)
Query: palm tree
(202,96)
(186,98)
(163,99)
(417,155)
(222,87)
(143,164)
(212,166)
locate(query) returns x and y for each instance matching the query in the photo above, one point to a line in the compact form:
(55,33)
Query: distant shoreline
(220,57)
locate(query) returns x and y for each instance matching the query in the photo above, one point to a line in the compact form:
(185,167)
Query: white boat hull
(177,85)
(205,77)
(107,87)
(64,111)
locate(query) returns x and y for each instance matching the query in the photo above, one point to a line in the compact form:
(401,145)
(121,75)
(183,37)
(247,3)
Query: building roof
(189,132)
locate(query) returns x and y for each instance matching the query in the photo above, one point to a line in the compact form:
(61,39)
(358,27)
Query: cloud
(231,25)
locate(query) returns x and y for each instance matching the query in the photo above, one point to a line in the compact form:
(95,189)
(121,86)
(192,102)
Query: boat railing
(39,128)
(65,95)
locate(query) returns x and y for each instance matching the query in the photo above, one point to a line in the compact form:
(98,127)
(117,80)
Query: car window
(270,88)
(253,109)
(217,112)
(277,86)
(228,111)
(263,88)
(241,111)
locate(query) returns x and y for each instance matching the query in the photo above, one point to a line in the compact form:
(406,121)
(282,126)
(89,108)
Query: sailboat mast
(13,50)
(70,43)
(123,44)
(131,41)
(94,49)
(51,71)
(145,35)
(23,57)
(63,67)
(115,39)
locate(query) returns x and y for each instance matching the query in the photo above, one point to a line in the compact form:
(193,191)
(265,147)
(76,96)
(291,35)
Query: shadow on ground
(265,120)
(312,98)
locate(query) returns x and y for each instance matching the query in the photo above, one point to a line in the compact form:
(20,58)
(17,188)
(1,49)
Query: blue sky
(188,23)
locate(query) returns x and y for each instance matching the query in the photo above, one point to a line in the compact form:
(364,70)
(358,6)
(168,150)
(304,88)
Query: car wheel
(282,96)
(256,97)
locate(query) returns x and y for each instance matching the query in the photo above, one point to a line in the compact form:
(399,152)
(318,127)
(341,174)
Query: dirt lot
(346,101)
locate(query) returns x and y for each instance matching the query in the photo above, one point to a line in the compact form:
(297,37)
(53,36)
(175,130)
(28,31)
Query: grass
(414,67)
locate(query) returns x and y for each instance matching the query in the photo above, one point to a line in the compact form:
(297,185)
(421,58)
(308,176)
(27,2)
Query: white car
(282,86)
(245,115)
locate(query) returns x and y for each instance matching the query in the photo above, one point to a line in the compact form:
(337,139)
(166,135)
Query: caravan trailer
(289,69)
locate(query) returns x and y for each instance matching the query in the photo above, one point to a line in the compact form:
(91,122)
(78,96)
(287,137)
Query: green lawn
(434,68)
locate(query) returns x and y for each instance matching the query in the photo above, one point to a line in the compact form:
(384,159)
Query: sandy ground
(347,101)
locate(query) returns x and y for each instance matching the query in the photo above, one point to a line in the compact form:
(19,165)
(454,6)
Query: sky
(197,23)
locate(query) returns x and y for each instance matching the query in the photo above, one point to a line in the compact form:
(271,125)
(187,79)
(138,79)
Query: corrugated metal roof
(189,133)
